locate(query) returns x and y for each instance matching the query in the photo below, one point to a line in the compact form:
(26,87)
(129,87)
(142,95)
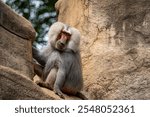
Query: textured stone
(14,85)
(16,37)
(115,45)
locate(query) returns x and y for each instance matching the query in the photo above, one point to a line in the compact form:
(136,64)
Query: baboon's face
(62,40)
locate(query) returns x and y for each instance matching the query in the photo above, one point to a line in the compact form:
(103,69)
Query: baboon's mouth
(60,47)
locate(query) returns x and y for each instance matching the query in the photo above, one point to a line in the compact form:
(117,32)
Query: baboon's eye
(59,36)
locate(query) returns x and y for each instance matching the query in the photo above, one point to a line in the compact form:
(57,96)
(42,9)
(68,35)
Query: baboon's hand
(60,94)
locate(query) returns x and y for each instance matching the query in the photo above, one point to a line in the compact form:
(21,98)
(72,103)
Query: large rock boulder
(16,37)
(16,68)
(115,45)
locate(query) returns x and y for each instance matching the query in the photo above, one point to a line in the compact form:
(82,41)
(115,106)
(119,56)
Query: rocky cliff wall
(115,45)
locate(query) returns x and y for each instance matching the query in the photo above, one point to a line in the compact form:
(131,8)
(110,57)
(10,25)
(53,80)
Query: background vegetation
(41,13)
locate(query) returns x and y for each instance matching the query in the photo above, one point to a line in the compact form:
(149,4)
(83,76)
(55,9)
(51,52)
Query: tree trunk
(115,45)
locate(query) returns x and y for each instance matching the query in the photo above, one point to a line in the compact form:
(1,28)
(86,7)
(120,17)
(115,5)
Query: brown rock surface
(16,36)
(14,85)
(115,45)
(16,69)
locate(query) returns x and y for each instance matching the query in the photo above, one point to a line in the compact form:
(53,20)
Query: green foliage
(41,13)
